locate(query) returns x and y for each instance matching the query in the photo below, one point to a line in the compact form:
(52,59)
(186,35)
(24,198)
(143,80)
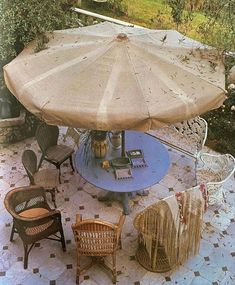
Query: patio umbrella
(110,77)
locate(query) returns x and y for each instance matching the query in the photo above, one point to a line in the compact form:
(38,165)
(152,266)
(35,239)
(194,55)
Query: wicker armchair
(46,178)
(170,230)
(33,219)
(214,172)
(97,239)
(47,138)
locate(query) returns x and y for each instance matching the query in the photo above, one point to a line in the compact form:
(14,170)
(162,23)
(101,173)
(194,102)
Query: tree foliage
(219,29)
(218,26)
(24,20)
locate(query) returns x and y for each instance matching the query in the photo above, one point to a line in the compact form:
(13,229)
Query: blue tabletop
(155,155)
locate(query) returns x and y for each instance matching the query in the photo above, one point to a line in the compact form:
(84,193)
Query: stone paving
(48,264)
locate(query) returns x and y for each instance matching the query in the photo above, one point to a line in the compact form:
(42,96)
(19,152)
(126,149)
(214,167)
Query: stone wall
(19,128)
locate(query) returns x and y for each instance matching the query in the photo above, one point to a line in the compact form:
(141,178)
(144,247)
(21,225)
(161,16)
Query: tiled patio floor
(48,264)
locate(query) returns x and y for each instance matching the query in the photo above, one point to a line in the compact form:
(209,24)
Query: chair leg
(71,162)
(62,239)
(12,232)
(53,196)
(196,163)
(26,255)
(40,162)
(114,268)
(58,167)
(78,269)
(120,243)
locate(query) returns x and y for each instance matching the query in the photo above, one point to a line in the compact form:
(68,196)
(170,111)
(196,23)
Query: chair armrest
(120,225)
(78,218)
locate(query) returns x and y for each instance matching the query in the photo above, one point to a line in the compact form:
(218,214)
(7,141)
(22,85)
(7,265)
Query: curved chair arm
(120,225)
(222,165)
(22,195)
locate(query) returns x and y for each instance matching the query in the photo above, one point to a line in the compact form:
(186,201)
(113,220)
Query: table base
(122,197)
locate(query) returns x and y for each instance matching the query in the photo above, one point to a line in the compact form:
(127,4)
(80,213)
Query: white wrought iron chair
(188,137)
(214,172)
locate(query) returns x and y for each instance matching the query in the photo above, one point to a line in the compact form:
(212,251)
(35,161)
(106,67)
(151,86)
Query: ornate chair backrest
(195,129)
(47,136)
(29,161)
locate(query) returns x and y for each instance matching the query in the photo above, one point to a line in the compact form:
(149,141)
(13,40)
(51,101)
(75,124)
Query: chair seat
(33,213)
(58,153)
(47,178)
(207,175)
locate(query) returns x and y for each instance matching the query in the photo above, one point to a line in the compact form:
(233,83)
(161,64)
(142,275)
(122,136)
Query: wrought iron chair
(47,138)
(188,137)
(97,239)
(33,219)
(46,178)
(214,172)
(169,231)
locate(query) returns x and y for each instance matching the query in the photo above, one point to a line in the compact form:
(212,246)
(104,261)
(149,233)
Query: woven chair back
(29,161)
(19,199)
(95,238)
(47,136)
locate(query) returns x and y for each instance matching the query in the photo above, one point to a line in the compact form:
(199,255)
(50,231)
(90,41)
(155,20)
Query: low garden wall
(19,128)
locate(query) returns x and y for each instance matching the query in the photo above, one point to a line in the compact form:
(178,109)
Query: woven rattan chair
(47,138)
(46,178)
(169,231)
(33,219)
(97,239)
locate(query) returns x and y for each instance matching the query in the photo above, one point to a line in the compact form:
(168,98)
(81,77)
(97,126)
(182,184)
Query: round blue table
(155,155)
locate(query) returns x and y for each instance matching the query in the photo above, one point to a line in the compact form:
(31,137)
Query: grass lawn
(154,14)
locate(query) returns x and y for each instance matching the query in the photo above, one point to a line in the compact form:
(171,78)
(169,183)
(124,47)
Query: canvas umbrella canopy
(110,77)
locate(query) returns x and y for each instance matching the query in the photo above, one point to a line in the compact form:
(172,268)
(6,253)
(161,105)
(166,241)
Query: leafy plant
(23,21)
(117,6)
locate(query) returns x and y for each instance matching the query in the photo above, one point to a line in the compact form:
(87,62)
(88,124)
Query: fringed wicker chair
(46,178)
(214,172)
(33,219)
(170,230)
(47,138)
(97,239)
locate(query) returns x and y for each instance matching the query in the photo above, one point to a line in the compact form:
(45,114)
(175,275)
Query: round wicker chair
(33,219)
(169,230)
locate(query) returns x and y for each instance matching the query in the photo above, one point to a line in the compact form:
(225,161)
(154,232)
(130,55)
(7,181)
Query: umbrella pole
(123,144)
